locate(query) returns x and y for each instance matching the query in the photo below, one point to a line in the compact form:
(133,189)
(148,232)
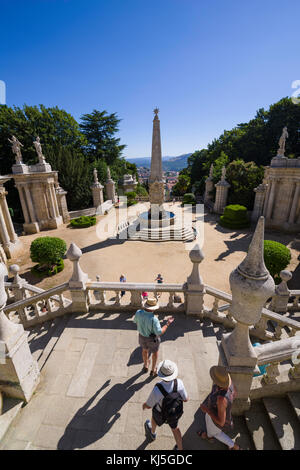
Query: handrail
(36,298)
(130,286)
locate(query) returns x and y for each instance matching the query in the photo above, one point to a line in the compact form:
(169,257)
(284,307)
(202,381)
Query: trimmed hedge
(83,221)
(277,257)
(189,198)
(47,251)
(235,216)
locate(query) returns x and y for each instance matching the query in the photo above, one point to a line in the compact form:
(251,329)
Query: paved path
(92,389)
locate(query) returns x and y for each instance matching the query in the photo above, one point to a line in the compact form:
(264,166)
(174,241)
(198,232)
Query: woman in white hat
(217,408)
(150,330)
(168,372)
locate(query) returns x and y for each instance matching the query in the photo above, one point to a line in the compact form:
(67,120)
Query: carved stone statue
(16,148)
(96,181)
(108,173)
(38,148)
(281,142)
(211,170)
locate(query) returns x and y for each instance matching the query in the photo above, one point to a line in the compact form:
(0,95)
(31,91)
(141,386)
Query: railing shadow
(91,424)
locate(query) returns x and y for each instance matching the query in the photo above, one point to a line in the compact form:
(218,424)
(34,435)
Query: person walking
(150,331)
(217,408)
(159,279)
(122,279)
(166,401)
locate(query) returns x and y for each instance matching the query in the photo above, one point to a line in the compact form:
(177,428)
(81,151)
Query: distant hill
(168,163)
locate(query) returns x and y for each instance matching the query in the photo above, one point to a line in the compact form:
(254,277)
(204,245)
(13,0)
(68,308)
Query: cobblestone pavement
(92,388)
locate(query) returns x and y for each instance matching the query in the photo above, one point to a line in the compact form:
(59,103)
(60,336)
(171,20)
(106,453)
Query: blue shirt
(147,323)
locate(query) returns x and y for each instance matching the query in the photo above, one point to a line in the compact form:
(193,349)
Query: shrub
(277,257)
(83,221)
(57,268)
(131,198)
(189,198)
(47,251)
(235,216)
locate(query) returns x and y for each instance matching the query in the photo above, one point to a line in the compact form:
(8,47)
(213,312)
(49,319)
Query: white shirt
(156,397)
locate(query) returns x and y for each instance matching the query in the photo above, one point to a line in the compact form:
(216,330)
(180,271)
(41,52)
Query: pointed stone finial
(196,256)
(74,254)
(253,266)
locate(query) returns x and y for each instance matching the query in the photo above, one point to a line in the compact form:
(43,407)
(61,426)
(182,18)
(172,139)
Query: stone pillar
(280,300)
(62,203)
(19,373)
(271,199)
(295,203)
(221,194)
(110,188)
(260,194)
(209,186)
(77,283)
(11,244)
(251,285)
(195,287)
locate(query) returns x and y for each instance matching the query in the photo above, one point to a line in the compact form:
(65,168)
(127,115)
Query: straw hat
(167,370)
(220,376)
(151,304)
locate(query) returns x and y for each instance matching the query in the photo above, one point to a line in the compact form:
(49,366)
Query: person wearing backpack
(166,401)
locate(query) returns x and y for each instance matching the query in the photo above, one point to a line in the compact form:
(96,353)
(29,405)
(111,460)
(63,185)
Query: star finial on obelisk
(156,111)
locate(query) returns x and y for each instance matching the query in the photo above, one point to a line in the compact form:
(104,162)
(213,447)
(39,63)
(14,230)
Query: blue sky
(206,65)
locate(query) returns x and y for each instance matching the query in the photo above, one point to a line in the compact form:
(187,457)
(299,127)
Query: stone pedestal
(110,188)
(38,200)
(251,286)
(209,186)
(260,194)
(221,196)
(77,283)
(19,373)
(195,286)
(97,191)
(280,300)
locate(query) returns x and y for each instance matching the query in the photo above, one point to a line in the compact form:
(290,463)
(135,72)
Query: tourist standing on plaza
(217,408)
(159,279)
(150,330)
(122,279)
(166,402)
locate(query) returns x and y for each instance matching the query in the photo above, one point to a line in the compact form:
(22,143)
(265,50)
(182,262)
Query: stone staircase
(270,423)
(164,234)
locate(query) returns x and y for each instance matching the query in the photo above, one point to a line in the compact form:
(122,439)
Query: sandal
(153,373)
(202,433)
(231,448)
(145,369)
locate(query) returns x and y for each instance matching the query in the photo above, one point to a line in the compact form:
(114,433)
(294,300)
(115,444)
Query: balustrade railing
(40,307)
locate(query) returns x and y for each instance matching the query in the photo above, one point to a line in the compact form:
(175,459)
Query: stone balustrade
(282,368)
(39,308)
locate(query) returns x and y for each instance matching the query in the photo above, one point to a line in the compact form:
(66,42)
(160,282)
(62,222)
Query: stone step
(240,433)
(11,407)
(260,428)
(294,398)
(284,422)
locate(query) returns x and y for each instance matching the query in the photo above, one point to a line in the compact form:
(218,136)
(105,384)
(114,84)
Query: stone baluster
(272,372)
(18,283)
(135,299)
(117,298)
(77,283)
(296,302)
(19,373)
(280,300)
(251,285)
(171,300)
(195,287)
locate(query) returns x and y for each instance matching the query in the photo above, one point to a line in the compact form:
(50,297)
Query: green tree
(243,178)
(182,185)
(100,128)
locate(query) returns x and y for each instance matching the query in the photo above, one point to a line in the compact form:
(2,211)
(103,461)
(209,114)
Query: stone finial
(196,256)
(96,181)
(223,173)
(211,170)
(108,173)
(156,111)
(74,254)
(251,282)
(15,269)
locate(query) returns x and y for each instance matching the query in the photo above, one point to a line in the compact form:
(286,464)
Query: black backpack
(172,404)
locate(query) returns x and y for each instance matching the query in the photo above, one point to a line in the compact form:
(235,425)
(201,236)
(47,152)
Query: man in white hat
(150,330)
(168,388)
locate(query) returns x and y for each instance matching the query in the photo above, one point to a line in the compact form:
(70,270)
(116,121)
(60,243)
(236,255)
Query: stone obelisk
(156,184)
